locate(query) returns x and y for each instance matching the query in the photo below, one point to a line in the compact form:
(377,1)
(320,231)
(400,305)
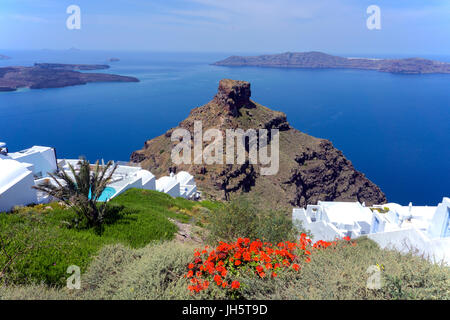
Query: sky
(256,26)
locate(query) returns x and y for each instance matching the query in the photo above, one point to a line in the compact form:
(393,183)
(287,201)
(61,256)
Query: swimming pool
(106,194)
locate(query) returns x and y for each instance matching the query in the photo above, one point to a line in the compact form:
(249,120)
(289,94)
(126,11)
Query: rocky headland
(55,75)
(319,60)
(310,169)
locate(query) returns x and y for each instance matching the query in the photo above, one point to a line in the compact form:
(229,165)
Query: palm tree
(81,190)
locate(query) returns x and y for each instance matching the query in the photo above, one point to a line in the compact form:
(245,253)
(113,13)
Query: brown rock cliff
(310,169)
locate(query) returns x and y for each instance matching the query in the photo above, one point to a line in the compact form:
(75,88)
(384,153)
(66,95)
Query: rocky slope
(315,60)
(310,169)
(52,75)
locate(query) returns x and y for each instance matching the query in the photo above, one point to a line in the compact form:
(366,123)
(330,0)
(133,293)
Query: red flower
(209,265)
(235,284)
(247,256)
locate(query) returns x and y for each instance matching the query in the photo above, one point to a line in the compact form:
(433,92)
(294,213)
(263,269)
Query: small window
(376,225)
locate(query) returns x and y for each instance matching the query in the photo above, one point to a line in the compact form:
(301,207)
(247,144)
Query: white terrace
(422,228)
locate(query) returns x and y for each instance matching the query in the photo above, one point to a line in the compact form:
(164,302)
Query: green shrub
(241,217)
(151,273)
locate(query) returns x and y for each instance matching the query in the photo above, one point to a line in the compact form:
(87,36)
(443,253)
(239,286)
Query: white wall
(150,184)
(43,162)
(20,193)
(135,184)
(320,230)
(439,220)
(411,239)
(191,189)
(174,190)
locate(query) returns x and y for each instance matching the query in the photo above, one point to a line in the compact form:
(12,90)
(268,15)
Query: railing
(128,164)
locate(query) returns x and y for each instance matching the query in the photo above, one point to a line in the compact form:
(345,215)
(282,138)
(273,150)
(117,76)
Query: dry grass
(155,272)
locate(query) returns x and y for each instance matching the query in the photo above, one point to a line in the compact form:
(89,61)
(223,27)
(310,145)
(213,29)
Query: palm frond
(81,189)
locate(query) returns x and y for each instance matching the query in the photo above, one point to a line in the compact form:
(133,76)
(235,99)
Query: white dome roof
(165,183)
(183,177)
(144,174)
(11,170)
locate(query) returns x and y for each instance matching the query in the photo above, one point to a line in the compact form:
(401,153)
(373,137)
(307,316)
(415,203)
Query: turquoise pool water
(106,194)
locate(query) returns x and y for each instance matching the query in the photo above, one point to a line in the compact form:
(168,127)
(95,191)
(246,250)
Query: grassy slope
(127,263)
(57,247)
(156,272)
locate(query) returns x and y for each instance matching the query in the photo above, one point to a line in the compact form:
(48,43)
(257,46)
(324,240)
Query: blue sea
(394,128)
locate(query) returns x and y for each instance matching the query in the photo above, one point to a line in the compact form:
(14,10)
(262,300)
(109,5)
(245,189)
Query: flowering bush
(224,264)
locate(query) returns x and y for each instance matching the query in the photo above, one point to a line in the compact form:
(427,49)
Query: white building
(24,169)
(330,220)
(19,171)
(124,177)
(169,185)
(188,188)
(42,158)
(181,184)
(419,228)
(16,180)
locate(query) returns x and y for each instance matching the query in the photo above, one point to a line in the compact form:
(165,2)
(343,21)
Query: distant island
(2,57)
(114,59)
(320,60)
(55,75)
